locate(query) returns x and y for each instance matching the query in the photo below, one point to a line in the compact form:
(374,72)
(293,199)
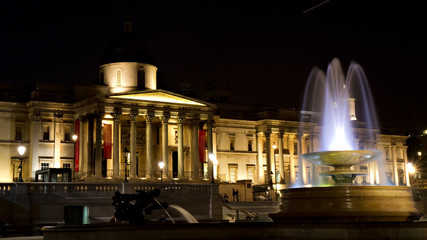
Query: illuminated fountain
(332,95)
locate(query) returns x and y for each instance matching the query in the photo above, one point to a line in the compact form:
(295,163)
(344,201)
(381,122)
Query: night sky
(265,50)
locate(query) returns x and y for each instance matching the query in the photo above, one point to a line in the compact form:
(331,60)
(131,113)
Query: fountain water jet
(329,107)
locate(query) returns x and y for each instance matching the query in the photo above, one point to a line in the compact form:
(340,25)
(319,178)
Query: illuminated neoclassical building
(125,112)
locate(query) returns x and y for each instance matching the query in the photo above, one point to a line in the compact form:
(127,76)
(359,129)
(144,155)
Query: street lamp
(126,153)
(21,151)
(212,157)
(161,165)
(74,137)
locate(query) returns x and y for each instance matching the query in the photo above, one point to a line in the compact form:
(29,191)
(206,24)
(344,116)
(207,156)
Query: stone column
(395,172)
(405,158)
(260,166)
(165,151)
(90,163)
(116,141)
(267,134)
(58,119)
(291,142)
(35,138)
(209,143)
(195,148)
(132,143)
(149,144)
(181,120)
(98,141)
(301,171)
(281,163)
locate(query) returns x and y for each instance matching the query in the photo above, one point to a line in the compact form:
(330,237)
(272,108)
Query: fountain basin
(347,203)
(342,158)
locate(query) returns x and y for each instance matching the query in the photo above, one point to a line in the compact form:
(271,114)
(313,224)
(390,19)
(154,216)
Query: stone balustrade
(37,203)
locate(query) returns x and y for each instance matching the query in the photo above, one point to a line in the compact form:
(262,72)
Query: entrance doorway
(174,164)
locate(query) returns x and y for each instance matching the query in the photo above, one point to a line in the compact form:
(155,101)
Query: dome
(126,48)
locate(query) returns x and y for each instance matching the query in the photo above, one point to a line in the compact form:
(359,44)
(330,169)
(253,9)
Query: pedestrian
(234,195)
(237,194)
(225,198)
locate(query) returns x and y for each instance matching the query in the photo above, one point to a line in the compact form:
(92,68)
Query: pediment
(159,96)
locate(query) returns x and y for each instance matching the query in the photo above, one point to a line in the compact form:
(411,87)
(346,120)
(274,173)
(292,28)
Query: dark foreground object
(243,230)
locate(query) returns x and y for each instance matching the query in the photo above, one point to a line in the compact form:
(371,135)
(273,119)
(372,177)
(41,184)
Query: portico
(155,125)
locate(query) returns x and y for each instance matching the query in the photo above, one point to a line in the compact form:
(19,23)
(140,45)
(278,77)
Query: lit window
(250,171)
(44,165)
(232,169)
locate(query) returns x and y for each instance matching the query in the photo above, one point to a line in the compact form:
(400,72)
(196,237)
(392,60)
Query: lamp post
(212,157)
(161,165)
(126,153)
(21,151)
(74,137)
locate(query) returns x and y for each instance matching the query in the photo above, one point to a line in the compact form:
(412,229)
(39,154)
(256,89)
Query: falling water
(164,210)
(326,100)
(187,216)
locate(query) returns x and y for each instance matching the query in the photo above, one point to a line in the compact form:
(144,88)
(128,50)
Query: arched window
(118,77)
(141,78)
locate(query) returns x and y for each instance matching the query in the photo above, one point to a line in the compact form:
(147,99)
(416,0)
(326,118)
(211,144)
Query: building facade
(122,127)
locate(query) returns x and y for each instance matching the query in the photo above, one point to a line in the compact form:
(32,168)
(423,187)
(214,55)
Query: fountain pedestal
(345,202)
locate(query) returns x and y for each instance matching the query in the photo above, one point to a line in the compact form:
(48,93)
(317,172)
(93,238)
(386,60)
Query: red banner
(107,141)
(202,146)
(77,146)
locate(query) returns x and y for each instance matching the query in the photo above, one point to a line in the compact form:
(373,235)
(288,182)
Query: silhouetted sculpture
(133,208)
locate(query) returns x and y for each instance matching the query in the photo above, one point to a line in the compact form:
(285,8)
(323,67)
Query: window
(67,134)
(232,138)
(15,171)
(363,168)
(232,170)
(18,133)
(141,79)
(119,77)
(250,172)
(44,165)
(66,165)
(46,130)
(250,145)
(176,135)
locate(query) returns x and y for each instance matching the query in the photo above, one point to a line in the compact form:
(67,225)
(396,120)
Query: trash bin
(76,215)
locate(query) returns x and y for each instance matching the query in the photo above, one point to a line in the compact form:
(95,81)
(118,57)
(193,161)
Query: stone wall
(35,204)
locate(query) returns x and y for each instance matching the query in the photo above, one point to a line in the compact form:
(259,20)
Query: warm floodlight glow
(21,150)
(161,165)
(411,168)
(419,154)
(159,97)
(74,137)
(274,146)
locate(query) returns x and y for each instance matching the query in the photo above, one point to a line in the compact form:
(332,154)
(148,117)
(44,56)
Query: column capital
(267,132)
(393,146)
(165,117)
(58,117)
(116,115)
(195,121)
(211,123)
(36,117)
(99,114)
(133,117)
(181,119)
